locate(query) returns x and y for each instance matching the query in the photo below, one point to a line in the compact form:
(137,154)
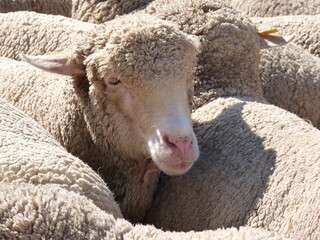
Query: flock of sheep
(132,88)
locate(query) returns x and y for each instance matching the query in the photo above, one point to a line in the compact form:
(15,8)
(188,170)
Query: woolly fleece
(56,7)
(260,167)
(306,29)
(261,8)
(36,34)
(30,155)
(290,79)
(30,212)
(100,11)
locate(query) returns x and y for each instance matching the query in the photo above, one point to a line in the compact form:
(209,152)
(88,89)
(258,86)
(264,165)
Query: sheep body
(56,7)
(259,167)
(87,118)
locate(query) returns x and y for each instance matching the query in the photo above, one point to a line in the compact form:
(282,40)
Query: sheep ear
(55,63)
(270,41)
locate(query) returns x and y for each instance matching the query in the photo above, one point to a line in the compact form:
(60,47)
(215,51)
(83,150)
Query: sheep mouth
(171,163)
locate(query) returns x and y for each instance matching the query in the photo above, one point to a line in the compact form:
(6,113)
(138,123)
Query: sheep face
(158,122)
(136,90)
(146,79)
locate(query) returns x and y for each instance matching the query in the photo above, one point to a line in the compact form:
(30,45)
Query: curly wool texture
(229,55)
(36,34)
(100,11)
(56,7)
(51,212)
(48,194)
(305,28)
(30,212)
(260,167)
(290,78)
(76,111)
(30,155)
(260,8)
(150,232)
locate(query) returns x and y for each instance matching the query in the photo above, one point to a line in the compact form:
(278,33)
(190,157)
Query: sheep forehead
(151,55)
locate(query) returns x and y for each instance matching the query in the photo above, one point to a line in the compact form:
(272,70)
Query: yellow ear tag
(51,53)
(268,32)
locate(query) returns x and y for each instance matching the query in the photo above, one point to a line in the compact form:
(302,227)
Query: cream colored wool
(244,233)
(261,8)
(260,167)
(94,11)
(57,7)
(100,11)
(30,212)
(78,112)
(291,79)
(29,154)
(305,27)
(36,34)
(229,56)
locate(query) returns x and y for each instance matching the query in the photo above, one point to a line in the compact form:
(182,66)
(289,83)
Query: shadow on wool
(226,182)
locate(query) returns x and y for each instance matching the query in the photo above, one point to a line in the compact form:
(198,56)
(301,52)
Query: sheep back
(37,34)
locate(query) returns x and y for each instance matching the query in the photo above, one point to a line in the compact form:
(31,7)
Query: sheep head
(140,73)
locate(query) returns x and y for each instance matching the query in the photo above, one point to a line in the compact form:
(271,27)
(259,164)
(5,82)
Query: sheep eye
(114,81)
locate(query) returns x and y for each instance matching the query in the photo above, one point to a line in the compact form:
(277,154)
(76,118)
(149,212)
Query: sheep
(261,8)
(259,167)
(125,110)
(57,7)
(30,212)
(40,183)
(37,34)
(306,29)
(290,79)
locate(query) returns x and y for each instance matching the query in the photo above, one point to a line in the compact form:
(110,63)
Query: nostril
(169,142)
(180,143)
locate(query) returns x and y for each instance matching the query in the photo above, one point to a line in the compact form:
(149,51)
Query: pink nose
(179,145)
